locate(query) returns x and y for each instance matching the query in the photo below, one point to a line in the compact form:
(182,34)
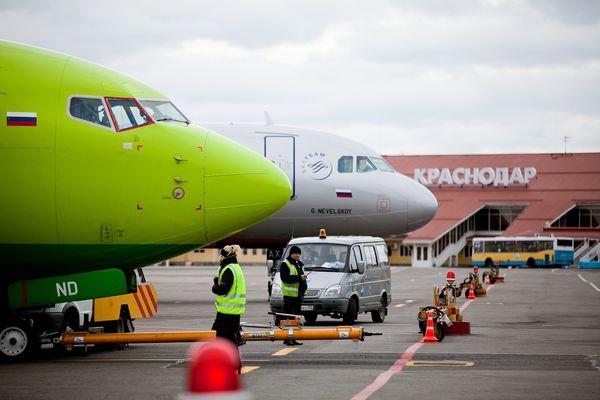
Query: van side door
(385,273)
(357,279)
(372,273)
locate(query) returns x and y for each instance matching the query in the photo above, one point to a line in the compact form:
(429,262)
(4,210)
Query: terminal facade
(500,195)
(485,195)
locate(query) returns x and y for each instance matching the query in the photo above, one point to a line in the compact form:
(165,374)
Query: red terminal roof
(562,181)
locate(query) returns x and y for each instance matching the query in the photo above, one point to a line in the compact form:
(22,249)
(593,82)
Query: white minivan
(347,275)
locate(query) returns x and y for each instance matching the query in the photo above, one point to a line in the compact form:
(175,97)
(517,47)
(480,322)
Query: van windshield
(323,256)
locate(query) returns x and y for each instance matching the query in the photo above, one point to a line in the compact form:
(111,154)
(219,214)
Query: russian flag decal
(343,193)
(21,119)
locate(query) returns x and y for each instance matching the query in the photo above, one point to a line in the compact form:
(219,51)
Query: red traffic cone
(213,372)
(429,330)
(471,292)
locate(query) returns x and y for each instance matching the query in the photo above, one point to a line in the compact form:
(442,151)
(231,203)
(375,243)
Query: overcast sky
(405,77)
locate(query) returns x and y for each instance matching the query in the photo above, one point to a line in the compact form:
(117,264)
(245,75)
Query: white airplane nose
(422,206)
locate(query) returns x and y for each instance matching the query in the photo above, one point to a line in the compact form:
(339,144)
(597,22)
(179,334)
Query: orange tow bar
(84,338)
(341,332)
(273,334)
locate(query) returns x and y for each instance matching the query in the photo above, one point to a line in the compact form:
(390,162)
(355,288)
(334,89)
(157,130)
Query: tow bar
(86,338)
(286,329)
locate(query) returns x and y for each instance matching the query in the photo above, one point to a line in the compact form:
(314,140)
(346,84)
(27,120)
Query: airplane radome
(337,184)
(103,174)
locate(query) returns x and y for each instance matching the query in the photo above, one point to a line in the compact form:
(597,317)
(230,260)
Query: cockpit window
(163,110)
(89,109)
(345,164)
(127,113)
(363,164)
(382,164)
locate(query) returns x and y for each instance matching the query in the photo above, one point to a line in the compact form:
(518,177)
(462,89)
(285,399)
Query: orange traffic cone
(471,292)
(429,331)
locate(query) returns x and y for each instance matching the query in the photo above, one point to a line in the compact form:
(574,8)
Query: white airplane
(337,184)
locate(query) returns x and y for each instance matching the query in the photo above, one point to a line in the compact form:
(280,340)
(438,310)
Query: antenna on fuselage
(268,119)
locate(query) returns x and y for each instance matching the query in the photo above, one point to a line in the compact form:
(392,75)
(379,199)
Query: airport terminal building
(500,195)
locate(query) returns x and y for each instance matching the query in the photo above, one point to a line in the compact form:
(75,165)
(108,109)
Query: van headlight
(333,290)
(275,290)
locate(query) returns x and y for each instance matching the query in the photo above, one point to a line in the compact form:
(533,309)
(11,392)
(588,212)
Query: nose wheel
(17,341)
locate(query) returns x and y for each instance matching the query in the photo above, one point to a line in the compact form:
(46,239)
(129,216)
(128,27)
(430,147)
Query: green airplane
(102,175)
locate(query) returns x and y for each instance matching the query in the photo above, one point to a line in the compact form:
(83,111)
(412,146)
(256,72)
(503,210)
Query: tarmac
(535,336)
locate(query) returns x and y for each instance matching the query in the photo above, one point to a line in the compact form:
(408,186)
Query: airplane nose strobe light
(213,372)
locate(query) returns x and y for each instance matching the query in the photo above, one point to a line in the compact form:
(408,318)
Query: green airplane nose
(241,187)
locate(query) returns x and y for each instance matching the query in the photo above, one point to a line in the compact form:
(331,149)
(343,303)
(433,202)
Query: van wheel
(351,313)
(18,342)
(379,314)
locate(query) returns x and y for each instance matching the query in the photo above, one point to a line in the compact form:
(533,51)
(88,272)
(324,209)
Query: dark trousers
(291,305)
(227,327)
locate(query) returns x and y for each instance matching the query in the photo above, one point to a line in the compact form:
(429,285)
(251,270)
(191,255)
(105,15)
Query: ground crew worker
(230,288)
(293,285)
(449,292)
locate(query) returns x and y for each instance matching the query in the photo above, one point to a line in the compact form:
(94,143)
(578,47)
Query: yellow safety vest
(290,289)
(234,302)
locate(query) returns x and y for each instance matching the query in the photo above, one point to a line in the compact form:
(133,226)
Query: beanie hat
(295,250)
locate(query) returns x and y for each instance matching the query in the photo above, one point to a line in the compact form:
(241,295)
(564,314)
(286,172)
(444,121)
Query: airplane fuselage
(337,184)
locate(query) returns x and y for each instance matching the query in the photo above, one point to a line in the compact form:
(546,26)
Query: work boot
(292,342)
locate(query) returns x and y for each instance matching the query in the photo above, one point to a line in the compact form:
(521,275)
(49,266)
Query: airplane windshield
(163,110)
(323,256)
(363,164)
(382,164)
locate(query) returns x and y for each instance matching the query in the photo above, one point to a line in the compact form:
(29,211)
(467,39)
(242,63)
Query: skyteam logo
(317,166)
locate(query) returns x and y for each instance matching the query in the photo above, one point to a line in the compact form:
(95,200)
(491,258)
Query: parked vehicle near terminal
(523,251)
(347,275)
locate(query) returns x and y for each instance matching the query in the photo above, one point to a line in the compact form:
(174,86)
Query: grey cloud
(569,11)
(413,77)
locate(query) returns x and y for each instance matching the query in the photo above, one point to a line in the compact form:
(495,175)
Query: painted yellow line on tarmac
(409,301)
(284,352)
(400,305)
(439,363)
(249,368)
